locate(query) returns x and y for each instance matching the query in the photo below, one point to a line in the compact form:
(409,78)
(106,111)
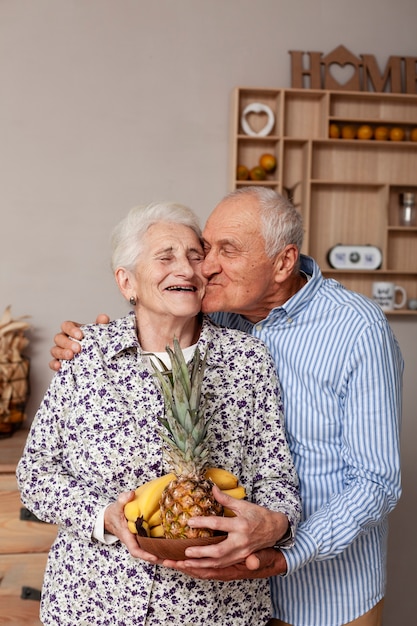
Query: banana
(140,489)
(132,527)
(143,528)
(155,518)
(148,497)
(132,510)
(145,504)
(222,478)
(157,531)
(237,492)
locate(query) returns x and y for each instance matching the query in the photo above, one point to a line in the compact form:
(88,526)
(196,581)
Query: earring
(132,300)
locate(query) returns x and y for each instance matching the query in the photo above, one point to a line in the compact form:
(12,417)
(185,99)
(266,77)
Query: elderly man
(341,371)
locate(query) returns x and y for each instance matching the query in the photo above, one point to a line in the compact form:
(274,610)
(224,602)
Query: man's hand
(115,524)
(262,564)
(65,347)
(252,529)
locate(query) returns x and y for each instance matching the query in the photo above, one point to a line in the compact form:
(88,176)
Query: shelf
(371,143)
(249,183)
(371,121)
(389,108)
(346,189)
(344,183)
(304,114)
(375,274)
(402,229)
(249,138)
(401,312)
(362,161)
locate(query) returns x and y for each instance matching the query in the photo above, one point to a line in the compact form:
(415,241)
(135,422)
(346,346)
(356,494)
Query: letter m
(371,72)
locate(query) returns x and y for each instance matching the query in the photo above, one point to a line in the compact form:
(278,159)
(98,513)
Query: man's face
(240,275)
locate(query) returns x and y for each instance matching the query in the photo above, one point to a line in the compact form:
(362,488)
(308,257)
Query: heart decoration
(342,73)
(259,109)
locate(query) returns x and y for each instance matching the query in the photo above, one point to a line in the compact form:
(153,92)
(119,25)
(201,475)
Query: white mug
(385,294)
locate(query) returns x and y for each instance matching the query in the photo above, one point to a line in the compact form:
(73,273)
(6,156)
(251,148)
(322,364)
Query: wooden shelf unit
(346,189)
(24,544)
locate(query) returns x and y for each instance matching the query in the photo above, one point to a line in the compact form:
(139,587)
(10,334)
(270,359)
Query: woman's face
(168,278)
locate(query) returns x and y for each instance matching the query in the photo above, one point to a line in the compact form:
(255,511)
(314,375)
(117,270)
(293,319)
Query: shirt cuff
(98,532)
(286,541)
(302,552)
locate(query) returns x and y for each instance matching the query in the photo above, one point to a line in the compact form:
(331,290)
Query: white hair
(126,240)
(281,223)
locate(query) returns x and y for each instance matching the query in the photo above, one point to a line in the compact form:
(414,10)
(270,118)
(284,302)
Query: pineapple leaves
(185,429)
(181,369)
(197,374)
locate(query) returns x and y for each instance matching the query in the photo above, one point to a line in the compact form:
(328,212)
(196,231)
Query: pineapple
(186,434)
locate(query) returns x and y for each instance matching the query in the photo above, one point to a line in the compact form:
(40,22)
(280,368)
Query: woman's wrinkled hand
(115,523)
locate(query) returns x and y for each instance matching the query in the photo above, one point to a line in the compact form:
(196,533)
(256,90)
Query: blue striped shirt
(341,371)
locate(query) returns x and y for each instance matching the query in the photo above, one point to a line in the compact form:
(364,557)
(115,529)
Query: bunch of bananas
(143,514)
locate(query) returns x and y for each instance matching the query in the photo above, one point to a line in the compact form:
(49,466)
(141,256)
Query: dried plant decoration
(14,371)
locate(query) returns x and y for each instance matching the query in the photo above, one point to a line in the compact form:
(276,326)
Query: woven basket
(14,394)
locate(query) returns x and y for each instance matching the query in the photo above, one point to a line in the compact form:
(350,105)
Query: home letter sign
(342,70)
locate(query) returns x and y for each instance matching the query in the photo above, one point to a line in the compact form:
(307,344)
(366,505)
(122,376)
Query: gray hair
(281,223)
(126,240)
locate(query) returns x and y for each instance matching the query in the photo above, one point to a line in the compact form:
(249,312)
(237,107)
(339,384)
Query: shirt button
(289,320)
(258,326)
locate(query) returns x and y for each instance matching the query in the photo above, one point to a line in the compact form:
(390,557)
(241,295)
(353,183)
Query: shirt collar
(121,336)
(297,303)
(303,296)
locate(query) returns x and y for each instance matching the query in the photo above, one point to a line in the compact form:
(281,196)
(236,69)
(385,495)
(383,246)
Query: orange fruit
(242,172)
(381,133)
(396,133)
(334,131)
(268,162)
(413,134)
(257,173)
(365,132)
(348,131)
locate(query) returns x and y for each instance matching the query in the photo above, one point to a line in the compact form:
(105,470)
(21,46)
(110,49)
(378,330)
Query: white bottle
(407,209)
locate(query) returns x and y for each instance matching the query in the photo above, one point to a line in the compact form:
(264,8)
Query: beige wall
(108,103)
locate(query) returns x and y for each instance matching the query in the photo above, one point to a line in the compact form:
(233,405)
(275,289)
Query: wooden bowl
(174,549)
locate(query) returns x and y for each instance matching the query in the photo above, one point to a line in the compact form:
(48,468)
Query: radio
(354,257)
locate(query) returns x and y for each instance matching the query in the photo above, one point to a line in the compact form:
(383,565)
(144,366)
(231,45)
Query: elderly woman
(95,438)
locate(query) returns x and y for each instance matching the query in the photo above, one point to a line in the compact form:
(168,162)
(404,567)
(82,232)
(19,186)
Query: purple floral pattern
(96,434)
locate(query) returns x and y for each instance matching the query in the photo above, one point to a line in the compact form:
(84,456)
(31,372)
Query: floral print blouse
(96,434)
